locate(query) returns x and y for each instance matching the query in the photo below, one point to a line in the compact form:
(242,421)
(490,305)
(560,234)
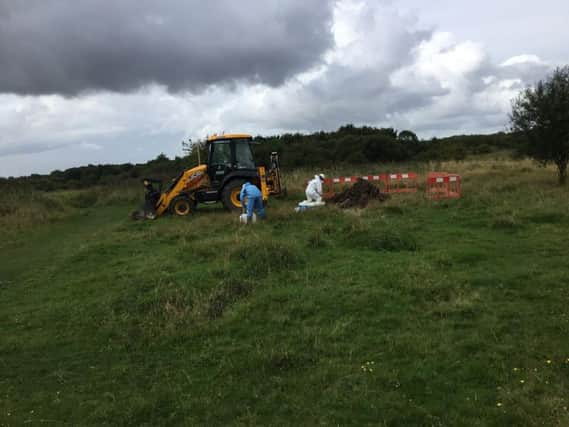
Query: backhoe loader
(230,164)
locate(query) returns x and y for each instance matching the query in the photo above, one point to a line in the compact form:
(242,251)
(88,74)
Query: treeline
(348,145)
(356,145)
(93,175)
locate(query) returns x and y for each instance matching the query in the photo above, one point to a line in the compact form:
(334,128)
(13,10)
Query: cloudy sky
(105,81)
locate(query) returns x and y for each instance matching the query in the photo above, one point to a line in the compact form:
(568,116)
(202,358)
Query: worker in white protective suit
(314,189)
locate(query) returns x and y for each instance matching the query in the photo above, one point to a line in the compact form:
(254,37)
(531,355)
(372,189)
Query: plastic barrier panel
(441,185)
(402,183)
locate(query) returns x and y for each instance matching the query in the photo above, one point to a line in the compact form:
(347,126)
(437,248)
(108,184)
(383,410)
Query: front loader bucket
(144,213)
(151,197)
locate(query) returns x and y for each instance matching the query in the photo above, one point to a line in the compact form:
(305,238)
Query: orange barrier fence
(402,183)
(387,183)
(439,185)
(442,185)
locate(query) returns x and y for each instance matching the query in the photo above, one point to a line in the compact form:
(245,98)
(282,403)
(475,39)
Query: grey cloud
(69,47)
(31,148)
(367,96)
(363,94)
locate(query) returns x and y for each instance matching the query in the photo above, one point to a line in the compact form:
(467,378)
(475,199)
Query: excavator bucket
(151,197)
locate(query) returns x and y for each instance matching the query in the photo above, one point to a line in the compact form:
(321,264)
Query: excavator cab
(229,155)
(229,165)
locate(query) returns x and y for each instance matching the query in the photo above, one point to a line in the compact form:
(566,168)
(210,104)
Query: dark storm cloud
(67,47)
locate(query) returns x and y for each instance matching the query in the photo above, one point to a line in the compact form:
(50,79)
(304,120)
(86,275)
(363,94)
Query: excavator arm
(273,178)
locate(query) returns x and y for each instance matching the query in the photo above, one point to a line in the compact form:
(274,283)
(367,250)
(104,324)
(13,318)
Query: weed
(173,307)
(285,361)
(50,203)
(547,218)
(316,240)
(384,240)
(111,196)
(470,257)
(226,294)
(506,188)
(260,258)
(357,228)
(443,260)
(506,222)
(7,210)
(83,199)
(328,230)
(394,210)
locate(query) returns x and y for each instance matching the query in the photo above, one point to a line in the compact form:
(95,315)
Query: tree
(161,158)
(407,136)
(542,114)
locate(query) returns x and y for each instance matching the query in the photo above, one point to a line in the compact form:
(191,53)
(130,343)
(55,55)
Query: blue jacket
(249,191)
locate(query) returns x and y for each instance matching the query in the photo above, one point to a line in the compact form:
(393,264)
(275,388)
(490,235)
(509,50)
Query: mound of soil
(359,195)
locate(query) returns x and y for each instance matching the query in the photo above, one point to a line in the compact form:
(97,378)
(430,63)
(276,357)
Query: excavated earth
(359,195)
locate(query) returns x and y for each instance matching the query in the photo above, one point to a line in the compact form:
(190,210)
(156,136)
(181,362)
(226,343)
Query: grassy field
(407,313)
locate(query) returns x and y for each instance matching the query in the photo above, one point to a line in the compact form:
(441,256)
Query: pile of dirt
(359,195)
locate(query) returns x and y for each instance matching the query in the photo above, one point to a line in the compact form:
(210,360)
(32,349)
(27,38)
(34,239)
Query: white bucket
(243,219)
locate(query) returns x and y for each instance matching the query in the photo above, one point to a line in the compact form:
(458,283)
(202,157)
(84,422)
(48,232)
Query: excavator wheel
(182,206)
(230,195)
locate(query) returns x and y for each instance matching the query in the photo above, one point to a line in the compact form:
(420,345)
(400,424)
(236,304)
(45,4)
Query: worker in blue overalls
(252,197)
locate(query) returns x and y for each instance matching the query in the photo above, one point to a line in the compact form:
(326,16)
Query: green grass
(406,313)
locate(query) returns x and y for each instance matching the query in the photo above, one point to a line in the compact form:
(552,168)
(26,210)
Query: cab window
(244,156)
(221,153)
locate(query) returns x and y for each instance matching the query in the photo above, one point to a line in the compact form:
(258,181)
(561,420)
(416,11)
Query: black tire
(182,206)
(228,195)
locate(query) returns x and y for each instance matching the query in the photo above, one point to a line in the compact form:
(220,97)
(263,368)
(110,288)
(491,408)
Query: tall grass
(490,179)
(24,209)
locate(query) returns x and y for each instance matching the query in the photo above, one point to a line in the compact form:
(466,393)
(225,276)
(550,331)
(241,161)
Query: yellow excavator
(229,165)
